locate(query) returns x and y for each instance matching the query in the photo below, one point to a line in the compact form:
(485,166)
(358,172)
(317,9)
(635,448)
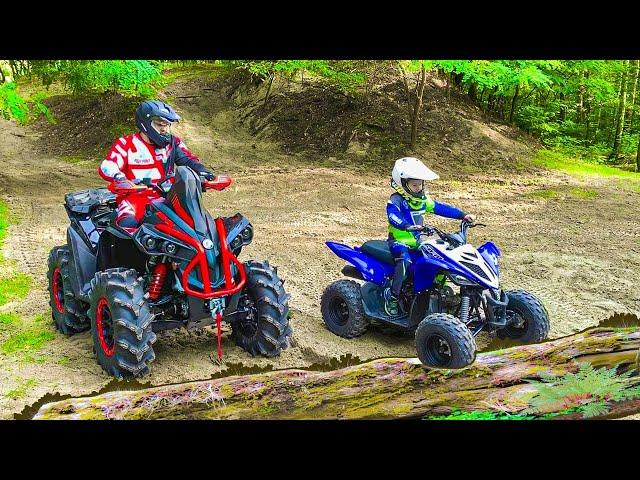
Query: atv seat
(378,249)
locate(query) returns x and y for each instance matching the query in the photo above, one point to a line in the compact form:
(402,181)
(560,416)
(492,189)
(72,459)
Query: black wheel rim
(514,317)
(438,350)
(338,312)
(249,326)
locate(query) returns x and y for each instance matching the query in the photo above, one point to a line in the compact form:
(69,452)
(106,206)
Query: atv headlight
(247,235)
(236,242)
(169,248)
(150,243)
(462,281)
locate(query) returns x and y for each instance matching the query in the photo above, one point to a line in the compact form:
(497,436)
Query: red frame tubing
(201,259)
(108,351)
(56,290)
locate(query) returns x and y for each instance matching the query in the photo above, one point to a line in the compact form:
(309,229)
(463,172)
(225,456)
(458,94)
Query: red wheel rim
(58,290)
(104,327)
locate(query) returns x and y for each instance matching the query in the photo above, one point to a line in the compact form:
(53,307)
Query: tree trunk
(513,103)
(384,388)
(473,92)
(633,96)
(417,107)
(266,96)
(580,105)
(638,156)
(617,139)
(597,126)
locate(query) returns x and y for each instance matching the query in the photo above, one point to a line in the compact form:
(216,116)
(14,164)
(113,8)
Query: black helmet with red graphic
(152,112)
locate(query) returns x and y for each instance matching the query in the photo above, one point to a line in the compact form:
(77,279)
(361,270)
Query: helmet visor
(161,125)
(414,186)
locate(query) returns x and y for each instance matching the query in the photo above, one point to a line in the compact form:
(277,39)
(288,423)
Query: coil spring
(157,280)
(464,308)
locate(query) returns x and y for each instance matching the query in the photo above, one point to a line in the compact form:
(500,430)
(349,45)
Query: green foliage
(14,106)
(345,75)
(590,390)
(481,415)
(128,77)
(32,339)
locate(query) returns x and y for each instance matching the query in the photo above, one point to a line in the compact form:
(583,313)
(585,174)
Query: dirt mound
(86,125)
(320,121)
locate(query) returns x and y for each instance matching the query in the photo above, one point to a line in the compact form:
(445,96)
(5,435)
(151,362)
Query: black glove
(207,175)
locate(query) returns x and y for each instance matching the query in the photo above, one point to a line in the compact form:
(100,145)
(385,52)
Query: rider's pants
(402,260)
(131,210)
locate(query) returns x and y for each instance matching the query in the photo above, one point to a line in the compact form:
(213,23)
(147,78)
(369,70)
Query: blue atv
(445,322)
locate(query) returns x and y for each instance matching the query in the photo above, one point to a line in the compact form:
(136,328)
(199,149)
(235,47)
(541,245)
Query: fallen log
(384,388)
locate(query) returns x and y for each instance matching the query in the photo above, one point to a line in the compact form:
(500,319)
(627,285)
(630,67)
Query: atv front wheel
(530,317)
(342,311)
(443,341)
(266,331)
(68,313)
(121,323)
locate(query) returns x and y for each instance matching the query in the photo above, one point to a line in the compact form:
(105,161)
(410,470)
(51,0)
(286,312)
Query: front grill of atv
(475,269)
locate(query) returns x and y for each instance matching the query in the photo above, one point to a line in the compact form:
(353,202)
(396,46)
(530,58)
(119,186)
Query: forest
(585,108)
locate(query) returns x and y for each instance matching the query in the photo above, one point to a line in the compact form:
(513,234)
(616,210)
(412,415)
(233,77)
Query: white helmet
(406,168)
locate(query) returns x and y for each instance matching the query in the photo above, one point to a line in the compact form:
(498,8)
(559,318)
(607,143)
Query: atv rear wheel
(529,312)
(342,311)
(68,313)
(121,323)
(443,341)
(266,331)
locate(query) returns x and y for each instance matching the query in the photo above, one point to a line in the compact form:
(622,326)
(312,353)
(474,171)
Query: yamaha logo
(208,244)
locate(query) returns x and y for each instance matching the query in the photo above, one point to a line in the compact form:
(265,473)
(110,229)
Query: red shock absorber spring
(157,280)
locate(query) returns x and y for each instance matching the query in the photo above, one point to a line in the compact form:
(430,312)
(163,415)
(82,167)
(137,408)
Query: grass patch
(22,389)
(33,359)
(4,221)
(14,288)
(543,194)
(557,160)
(64,361)
(583,193)
(32,339)
(9,319)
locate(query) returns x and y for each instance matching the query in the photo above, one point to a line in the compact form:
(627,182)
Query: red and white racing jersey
(135,158)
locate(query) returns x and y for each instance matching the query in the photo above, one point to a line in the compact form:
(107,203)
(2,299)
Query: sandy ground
(579,255)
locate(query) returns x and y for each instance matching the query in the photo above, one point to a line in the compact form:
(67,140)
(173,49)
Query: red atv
(179,268)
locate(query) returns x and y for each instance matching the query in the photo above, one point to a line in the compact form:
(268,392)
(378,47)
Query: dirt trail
(580,255)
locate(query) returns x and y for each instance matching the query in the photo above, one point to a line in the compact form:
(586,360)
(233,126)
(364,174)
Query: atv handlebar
(219,182)
(454,238)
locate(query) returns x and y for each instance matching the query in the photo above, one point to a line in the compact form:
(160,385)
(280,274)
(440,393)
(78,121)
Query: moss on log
(385,388)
